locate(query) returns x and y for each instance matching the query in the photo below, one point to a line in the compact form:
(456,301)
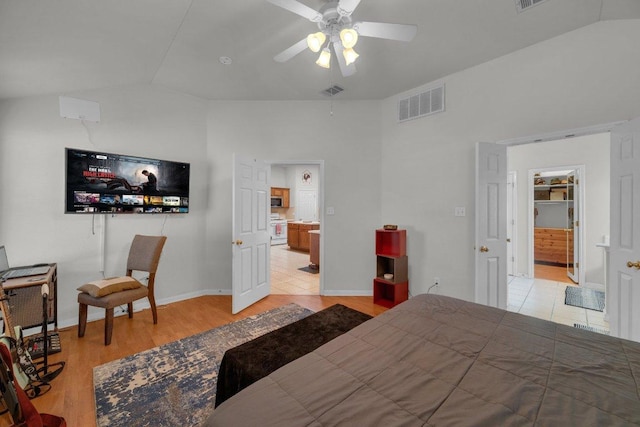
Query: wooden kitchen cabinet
(293,233)
(282,192)
(298,235)
(314,249)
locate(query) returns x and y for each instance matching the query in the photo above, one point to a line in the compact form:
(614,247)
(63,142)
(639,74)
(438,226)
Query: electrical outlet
(436,281)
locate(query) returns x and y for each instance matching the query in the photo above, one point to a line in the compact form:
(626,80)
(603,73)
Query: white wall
(591,151)
(142,121)
(347,141)
(278,177)
(583,78)
(376,170)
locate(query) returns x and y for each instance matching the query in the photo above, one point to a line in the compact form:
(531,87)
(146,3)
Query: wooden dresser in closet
(553,245)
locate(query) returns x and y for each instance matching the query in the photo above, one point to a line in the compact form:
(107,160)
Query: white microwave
(276,202)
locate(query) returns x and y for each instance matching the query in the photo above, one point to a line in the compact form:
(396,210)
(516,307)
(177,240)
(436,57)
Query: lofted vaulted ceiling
(64,46)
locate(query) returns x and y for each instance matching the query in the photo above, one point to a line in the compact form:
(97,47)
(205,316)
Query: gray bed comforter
(439,361)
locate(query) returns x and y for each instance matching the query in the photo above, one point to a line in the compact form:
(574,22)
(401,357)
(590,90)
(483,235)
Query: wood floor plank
(71,394)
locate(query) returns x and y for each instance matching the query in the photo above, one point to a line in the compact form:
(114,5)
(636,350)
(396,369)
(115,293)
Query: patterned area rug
(584,297)
(175,384)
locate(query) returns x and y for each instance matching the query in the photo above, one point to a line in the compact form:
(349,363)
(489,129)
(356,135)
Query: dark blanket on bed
(247,363)
(439,361)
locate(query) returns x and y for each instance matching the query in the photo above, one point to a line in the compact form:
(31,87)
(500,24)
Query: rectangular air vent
(422,104)
(332,91)
(522,5)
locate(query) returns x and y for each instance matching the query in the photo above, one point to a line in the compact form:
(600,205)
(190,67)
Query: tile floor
(285,276)
(545,299)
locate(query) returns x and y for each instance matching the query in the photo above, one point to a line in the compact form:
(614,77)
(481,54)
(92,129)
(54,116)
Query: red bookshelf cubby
(391,243)
(391,258)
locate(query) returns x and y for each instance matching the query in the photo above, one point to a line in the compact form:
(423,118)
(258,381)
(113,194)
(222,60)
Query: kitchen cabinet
(314,249)
(293,235)
(298,234)
(283,193)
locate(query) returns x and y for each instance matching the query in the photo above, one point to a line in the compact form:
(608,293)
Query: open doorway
(556,216)
(590,154)
(538,288)
(296,216)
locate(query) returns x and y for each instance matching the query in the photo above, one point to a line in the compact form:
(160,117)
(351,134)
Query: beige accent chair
(144,255)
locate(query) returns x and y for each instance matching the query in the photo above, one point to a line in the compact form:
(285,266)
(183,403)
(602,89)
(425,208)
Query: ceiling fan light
(349,37)
(324,60)
(350,55)
(315,41)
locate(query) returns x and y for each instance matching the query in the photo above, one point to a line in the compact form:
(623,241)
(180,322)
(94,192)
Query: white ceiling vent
(332,91)
(522,5)
(422,104)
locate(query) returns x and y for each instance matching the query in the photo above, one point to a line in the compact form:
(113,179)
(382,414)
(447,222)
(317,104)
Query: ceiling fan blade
(289,53)
(346,7)
(401,32)
(299,9)
(346,70)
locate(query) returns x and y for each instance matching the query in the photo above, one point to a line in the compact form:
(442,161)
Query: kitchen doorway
(296,218)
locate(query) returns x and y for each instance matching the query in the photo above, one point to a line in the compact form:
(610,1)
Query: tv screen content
(117,183)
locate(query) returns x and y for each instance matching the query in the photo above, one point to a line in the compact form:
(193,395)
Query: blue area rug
(175,384)
(584,297)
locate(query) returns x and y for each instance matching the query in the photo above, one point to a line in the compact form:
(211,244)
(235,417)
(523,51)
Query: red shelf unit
(391,243)
(391,257)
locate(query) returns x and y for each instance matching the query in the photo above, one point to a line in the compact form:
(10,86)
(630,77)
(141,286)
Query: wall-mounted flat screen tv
(100,182)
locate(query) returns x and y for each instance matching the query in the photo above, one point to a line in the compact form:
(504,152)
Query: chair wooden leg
(82,320)
(108,326)
(130,310)
(152,302)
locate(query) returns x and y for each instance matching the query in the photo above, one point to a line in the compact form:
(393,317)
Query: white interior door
(491,224)
(573,224)
(624,255)
(512,215)
(250,230)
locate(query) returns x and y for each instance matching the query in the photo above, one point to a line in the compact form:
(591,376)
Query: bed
(440,361)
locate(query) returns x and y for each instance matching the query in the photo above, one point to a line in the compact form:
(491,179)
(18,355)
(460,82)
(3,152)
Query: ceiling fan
(339,31)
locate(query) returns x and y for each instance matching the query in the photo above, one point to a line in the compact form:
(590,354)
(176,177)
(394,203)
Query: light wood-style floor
(71,394)
(551,272)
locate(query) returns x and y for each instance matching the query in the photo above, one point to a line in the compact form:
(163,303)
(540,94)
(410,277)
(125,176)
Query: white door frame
(581,216)
(321,213)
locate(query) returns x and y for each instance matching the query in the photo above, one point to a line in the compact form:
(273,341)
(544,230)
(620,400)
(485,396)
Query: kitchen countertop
(304,222)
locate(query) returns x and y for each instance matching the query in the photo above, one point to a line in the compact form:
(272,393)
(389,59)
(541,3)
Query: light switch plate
(459,211)
(331,211)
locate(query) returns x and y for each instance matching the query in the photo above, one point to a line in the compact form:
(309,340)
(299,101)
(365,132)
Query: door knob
(484,249)
(237,242)
(633,264)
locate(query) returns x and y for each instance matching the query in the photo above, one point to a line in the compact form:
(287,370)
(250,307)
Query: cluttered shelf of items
(554,219)
(28,306)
